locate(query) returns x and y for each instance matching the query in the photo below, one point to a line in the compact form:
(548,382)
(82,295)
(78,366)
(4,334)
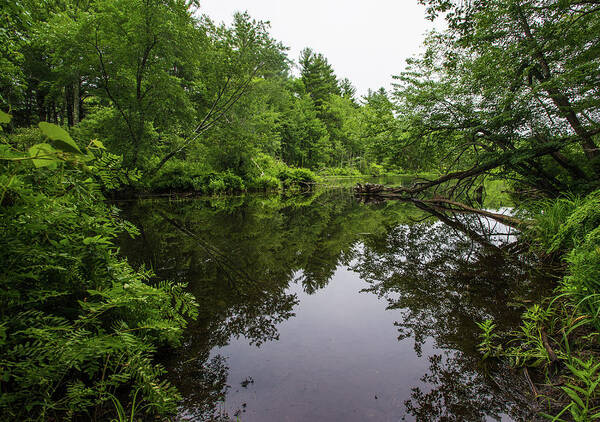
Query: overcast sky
(365,41)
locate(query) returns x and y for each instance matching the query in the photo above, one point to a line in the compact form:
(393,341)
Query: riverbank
(556,344)
(80,327)
(558,338)
(184,181)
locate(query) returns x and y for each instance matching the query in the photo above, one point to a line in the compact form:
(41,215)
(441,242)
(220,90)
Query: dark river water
(321,308)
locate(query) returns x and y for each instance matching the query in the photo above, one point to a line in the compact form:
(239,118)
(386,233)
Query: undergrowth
(560,337)
(78,325)
(179,177)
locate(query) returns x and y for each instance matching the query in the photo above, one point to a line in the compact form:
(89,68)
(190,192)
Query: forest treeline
(98,96)
(186,101)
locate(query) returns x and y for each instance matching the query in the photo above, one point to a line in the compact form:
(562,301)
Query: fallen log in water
(378,193)
(370,188)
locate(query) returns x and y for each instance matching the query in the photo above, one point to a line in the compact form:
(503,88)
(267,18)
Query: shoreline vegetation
(295,185)
(504,99)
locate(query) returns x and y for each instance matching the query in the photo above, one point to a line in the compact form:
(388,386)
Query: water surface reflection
(322,308)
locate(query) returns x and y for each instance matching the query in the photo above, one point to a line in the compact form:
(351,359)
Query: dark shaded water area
(322,308)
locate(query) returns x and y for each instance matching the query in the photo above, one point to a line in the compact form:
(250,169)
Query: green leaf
(5,117)
(43,156)
(96,240)
(59,135)
(577,389)
(552,418)
(573,395)
(98,144)
(89,240)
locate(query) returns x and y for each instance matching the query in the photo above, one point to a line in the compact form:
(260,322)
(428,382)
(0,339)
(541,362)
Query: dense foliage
(510,87)
(78,325)
(510,91)
(158,82)
(110,95)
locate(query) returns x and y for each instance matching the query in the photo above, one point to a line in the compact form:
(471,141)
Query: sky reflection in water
(320,308)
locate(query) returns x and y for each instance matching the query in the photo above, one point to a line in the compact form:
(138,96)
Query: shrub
(584,218)
(340,171)
(549,216)
(24,138)
(264,183)
(579,234)
(78,324)
(583,279)
(180,176)
(297,177)
(376,169)
(233,183)
(264,165)
(216,185)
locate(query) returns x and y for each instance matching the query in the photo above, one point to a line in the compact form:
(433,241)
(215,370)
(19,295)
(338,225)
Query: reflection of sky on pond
(337,359)
(326,309)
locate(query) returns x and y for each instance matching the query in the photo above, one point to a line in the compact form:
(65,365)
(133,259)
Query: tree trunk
(69,103)
(560,99)
(76,101)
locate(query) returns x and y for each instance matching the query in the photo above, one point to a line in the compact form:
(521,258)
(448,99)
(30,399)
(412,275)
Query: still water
(322,308)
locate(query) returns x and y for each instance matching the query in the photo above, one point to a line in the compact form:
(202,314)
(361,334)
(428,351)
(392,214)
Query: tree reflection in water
(241,255)
(445,276)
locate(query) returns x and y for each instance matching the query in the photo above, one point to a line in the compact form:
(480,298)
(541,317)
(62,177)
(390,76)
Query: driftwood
(370,188)
(457,206)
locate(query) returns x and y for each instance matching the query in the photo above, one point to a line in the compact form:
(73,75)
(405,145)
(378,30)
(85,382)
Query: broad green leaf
(86,158)
(5,152)
(5,117)
(59,135)
(43,155)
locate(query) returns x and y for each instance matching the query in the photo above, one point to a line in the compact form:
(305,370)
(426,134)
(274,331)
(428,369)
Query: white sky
(365,41)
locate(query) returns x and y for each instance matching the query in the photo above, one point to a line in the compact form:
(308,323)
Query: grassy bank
(185,177)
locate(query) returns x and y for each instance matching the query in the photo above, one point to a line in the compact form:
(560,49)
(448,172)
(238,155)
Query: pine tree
(318,77)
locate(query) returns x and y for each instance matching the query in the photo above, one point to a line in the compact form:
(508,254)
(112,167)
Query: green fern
(78,325)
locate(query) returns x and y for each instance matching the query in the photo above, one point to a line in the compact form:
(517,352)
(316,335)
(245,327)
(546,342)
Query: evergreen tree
(348,90)
(318,77)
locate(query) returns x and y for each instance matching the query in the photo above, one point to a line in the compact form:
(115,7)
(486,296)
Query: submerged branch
(383,193)
(460,207)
